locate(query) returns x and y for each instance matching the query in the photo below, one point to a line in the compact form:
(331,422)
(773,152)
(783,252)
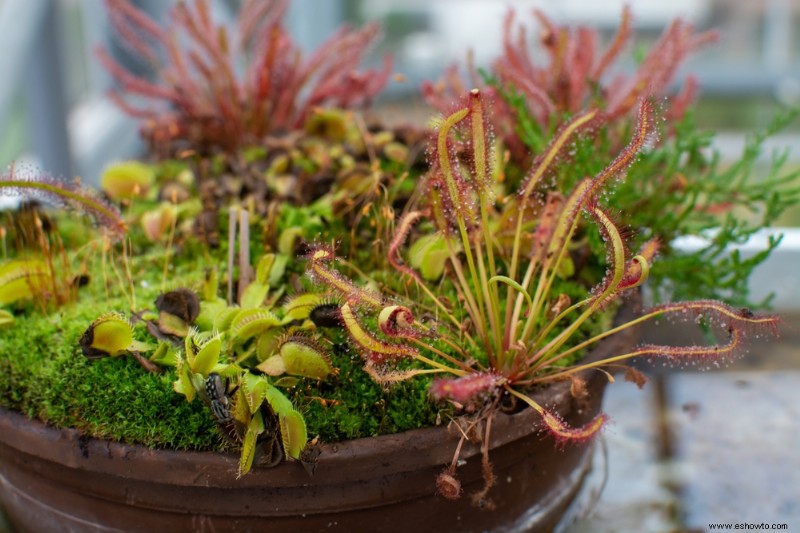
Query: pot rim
(192,468)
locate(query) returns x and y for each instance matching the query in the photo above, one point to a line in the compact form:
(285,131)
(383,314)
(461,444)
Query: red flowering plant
(512,327)
(680,188)
(212,91)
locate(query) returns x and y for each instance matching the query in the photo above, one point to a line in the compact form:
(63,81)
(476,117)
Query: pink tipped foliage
(468,388)
(201,96)
(575,75)
(564,433)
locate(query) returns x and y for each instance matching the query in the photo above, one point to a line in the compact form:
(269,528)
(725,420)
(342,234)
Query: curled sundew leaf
(375,350)
(397,321)
(251,322)
(511,283)
(304,357)
(22,279)
(109,335)
(294,434)
(127,179)
(638,268)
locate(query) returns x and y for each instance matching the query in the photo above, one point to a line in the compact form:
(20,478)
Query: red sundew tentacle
(722,314)
(614,49)
(560,140)
(342,286)
(467,388)
(400,235)
(398,321)
(712,353)
(645,128)
(543,234)
(563,433)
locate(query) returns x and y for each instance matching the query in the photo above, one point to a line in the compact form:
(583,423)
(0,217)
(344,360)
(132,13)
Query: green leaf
(286,382)
(254,295)
(299,307)
(273,366)
(6,318)
(209,312)
(183,385)
(278,269)
(264,267)
(287,239)
(208,357)
(302,357)
(254,429)
(429,254)
(224,318)
(293,433)
(211,285)
(109,335)
(251,322)
(255,389)
(128,179)
(279,403)
(21,279)
(165,355)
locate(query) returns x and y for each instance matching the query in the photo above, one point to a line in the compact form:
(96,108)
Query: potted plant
(483,292)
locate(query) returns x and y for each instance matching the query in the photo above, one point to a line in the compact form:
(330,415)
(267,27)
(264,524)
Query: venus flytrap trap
(512,329)
(235,357)
(50,279)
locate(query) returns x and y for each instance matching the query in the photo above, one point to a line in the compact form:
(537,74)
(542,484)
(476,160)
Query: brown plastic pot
(56,479)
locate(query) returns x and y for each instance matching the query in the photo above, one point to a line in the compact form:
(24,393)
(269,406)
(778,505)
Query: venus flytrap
(513,329)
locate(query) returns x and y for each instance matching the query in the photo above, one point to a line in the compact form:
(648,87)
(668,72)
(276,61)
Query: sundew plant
(682,187)
(512,329)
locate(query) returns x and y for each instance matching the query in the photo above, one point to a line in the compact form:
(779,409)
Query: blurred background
(53,108)
(668,471)
(54,112)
